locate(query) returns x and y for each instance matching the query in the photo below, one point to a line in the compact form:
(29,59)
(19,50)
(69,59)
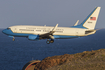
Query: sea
(15,54)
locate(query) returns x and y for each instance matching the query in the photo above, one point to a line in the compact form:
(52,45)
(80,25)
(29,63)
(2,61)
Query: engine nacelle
(33,37)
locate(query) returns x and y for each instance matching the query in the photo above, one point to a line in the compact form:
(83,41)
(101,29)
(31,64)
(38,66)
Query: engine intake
(33,37)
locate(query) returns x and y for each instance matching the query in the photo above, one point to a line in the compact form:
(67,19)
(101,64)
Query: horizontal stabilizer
(89,31)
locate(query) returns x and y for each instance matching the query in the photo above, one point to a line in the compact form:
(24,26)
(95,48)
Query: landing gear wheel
(48,42)
(13,39)
(51,41)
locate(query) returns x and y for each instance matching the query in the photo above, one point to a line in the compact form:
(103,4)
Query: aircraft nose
(7,31)
(4,31)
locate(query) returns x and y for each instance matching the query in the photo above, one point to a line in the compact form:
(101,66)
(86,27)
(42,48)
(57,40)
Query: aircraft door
(15,30)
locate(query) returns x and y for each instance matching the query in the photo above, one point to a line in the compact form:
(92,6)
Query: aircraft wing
(50,34)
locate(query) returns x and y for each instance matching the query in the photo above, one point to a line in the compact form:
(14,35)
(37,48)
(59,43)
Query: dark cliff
(87,60)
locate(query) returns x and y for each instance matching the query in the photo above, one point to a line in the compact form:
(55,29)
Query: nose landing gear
(13,38)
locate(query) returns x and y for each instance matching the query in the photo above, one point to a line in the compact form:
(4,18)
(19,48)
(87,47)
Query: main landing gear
(49,41)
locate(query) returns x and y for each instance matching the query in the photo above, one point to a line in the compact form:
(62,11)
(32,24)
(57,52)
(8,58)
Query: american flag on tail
(92,18)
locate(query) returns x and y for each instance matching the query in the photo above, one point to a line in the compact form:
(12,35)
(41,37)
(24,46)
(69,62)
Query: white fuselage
(38,30)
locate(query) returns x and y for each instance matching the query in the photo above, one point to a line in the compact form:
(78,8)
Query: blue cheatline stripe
(10,33)
(63,36)
(81,25)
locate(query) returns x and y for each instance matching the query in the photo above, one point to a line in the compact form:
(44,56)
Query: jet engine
(33,37)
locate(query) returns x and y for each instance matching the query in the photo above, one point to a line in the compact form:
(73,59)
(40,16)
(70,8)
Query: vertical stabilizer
(91,20)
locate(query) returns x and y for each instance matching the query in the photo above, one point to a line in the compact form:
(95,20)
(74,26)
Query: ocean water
(15,54)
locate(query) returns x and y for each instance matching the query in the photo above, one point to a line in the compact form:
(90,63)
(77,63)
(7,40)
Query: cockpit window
(8,28)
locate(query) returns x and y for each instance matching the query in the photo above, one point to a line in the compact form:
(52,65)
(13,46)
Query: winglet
(55,27)
(76,23)
(53,30)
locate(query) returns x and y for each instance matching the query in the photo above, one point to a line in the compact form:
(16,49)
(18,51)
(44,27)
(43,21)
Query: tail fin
(91,20)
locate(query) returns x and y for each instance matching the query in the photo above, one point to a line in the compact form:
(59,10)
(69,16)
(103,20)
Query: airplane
(87,27)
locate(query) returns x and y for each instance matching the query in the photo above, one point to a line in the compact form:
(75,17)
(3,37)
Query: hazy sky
(48,12)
